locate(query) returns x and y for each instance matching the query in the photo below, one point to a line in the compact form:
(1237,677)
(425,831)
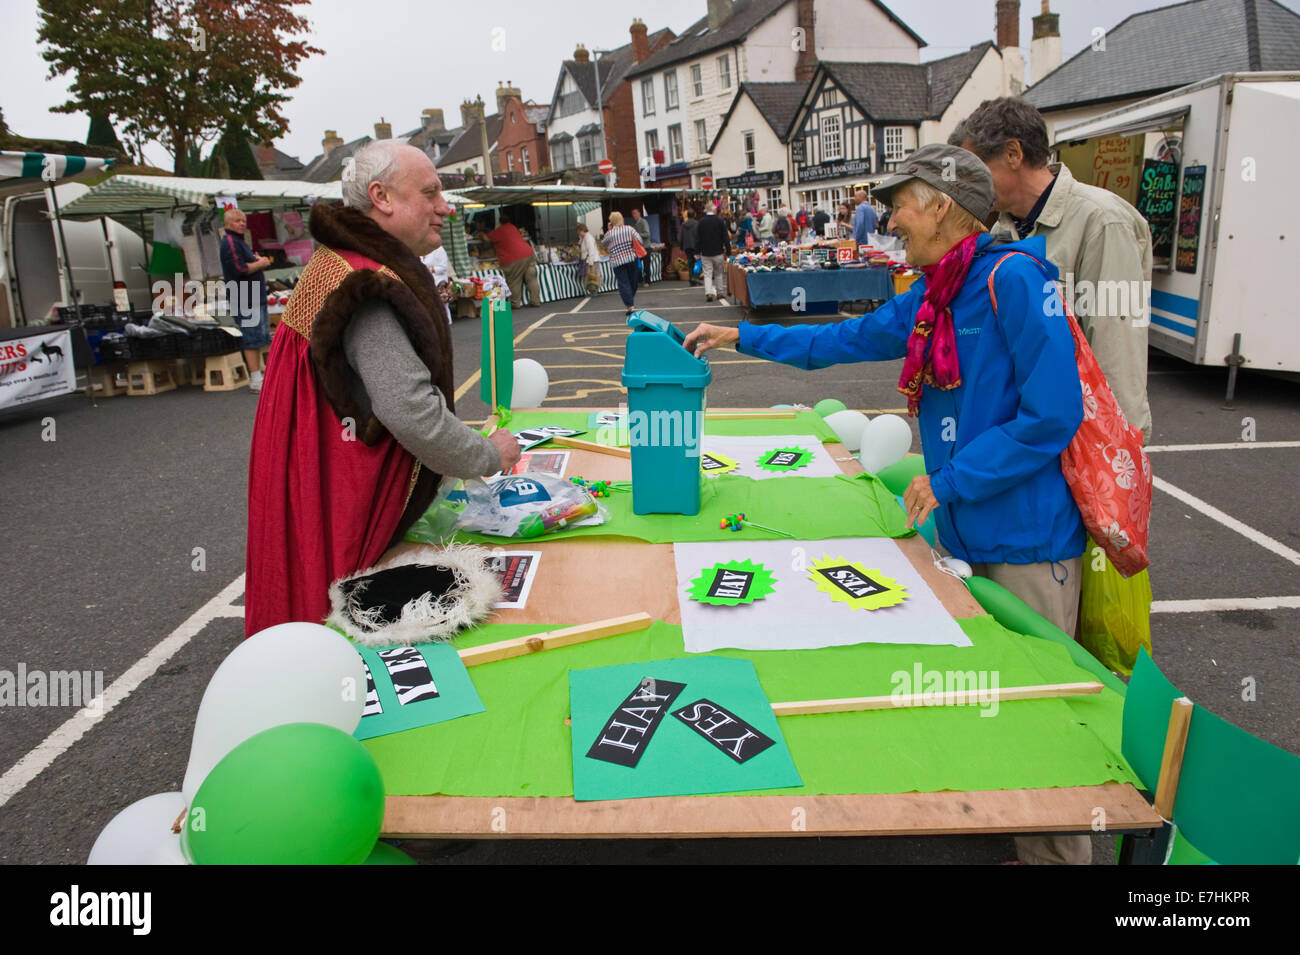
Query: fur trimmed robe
(328,492)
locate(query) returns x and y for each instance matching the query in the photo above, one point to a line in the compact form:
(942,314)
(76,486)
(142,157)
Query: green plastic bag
(1114,613)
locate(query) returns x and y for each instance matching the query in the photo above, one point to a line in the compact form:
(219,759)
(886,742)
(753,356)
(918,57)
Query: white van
(1217,161)
(32,272)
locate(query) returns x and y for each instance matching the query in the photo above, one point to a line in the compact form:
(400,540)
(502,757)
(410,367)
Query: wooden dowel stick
(492,348)
(592,446)
(953,698)
(1171,761)
(739,415)
(493,424)
(553,639)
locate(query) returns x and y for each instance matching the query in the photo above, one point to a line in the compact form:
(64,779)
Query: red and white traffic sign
(606,166)
(706,182)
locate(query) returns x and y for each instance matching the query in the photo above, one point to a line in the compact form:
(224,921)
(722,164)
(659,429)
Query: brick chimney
(1008,24)
(266,155)
(580,55)
(719,11)
(467,112)
(383,130)
(1045,47)
(640,41)
(504,92)
(331,142)
(432,121)
(806,64)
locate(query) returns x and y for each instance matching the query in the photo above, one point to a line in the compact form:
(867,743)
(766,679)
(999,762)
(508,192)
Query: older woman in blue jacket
(995,388)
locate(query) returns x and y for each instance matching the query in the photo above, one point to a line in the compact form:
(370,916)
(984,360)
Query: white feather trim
(428,617)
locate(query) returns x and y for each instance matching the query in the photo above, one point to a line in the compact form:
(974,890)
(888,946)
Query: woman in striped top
(620,242)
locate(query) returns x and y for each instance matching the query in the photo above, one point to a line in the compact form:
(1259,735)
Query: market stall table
(821,290)
(585,576)
(559,280)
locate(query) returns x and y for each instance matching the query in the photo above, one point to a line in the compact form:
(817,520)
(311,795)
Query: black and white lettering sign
(709,463)
(783,459)
(725,730)
(372,706)
(732,584)
(852,581)
(530,437)
(627,733)
(412,681)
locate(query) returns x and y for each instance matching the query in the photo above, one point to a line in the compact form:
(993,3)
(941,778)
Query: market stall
(811,279)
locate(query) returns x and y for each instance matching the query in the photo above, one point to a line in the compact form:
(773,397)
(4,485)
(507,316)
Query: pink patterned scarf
(934,327)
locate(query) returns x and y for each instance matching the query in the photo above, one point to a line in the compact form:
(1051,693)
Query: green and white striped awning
(130,194)
(46,167)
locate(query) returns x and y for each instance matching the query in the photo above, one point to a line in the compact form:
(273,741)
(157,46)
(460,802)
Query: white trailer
(1226,293)
(35,278)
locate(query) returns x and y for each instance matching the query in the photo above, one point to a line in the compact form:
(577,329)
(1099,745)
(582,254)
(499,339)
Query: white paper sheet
(796,615)
(746,450)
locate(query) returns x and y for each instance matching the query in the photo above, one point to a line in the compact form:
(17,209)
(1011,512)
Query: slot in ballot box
(665,396)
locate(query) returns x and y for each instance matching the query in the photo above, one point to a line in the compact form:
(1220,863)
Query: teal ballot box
(665,395)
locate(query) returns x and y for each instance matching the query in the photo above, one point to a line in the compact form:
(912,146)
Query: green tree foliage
(179,72)
(102,133)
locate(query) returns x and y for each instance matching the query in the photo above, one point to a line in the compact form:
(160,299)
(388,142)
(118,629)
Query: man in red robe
(355,426)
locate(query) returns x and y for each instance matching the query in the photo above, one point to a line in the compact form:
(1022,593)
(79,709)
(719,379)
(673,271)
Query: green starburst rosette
(856,586)
(784,459)
(732,582)
(712,463)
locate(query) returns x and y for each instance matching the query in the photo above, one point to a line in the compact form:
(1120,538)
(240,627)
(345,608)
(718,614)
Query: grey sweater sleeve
(394,384)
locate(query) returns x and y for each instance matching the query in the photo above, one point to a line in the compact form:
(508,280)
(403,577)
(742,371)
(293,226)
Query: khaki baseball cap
(954,171)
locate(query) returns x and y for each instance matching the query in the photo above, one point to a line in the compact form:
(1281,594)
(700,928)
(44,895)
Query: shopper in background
(620,242)
(240,264)
(819,220)
(844,221)
(516,259)
(588,260)
(864,218)
(1094,238)
(715,246)
(689,240)
(764,228)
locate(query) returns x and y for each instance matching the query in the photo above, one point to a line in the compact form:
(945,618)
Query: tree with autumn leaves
(178,72)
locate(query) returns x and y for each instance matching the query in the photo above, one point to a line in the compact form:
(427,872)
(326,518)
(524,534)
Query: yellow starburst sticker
(861,588)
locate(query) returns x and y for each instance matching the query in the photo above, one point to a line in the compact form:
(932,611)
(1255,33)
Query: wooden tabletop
(1064,809)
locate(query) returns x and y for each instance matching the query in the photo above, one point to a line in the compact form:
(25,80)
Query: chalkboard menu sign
(1156,200)
(1189,218)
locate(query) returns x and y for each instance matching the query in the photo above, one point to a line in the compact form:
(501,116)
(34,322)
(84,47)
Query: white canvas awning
(127,194)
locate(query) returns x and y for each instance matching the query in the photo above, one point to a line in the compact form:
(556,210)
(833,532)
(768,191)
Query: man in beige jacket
(1100,244)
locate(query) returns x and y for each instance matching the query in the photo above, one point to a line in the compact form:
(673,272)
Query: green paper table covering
(520,745)
(807,508)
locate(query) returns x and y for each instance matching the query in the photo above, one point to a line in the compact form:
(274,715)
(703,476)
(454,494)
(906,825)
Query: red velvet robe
(322,503)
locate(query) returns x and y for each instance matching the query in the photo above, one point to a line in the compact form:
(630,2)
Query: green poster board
(674,728)
(408,687)
(499,325)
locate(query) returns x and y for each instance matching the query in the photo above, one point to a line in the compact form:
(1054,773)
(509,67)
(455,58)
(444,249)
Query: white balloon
(848,426)
(531,384)
(885,441)
(141,834)
(290,673)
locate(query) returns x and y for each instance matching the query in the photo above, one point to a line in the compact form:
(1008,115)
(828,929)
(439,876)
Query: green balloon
(899,475)
(384,854)
(828,406)
(296,794)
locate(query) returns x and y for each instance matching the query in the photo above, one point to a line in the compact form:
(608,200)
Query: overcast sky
(393,58)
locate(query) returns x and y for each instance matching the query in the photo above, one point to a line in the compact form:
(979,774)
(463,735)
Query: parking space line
(80,723)
(1234,446)
(1225,603)
(1228,521)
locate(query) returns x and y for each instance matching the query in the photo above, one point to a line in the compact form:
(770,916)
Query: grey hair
(927,196)
(996,122)
(373,162)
